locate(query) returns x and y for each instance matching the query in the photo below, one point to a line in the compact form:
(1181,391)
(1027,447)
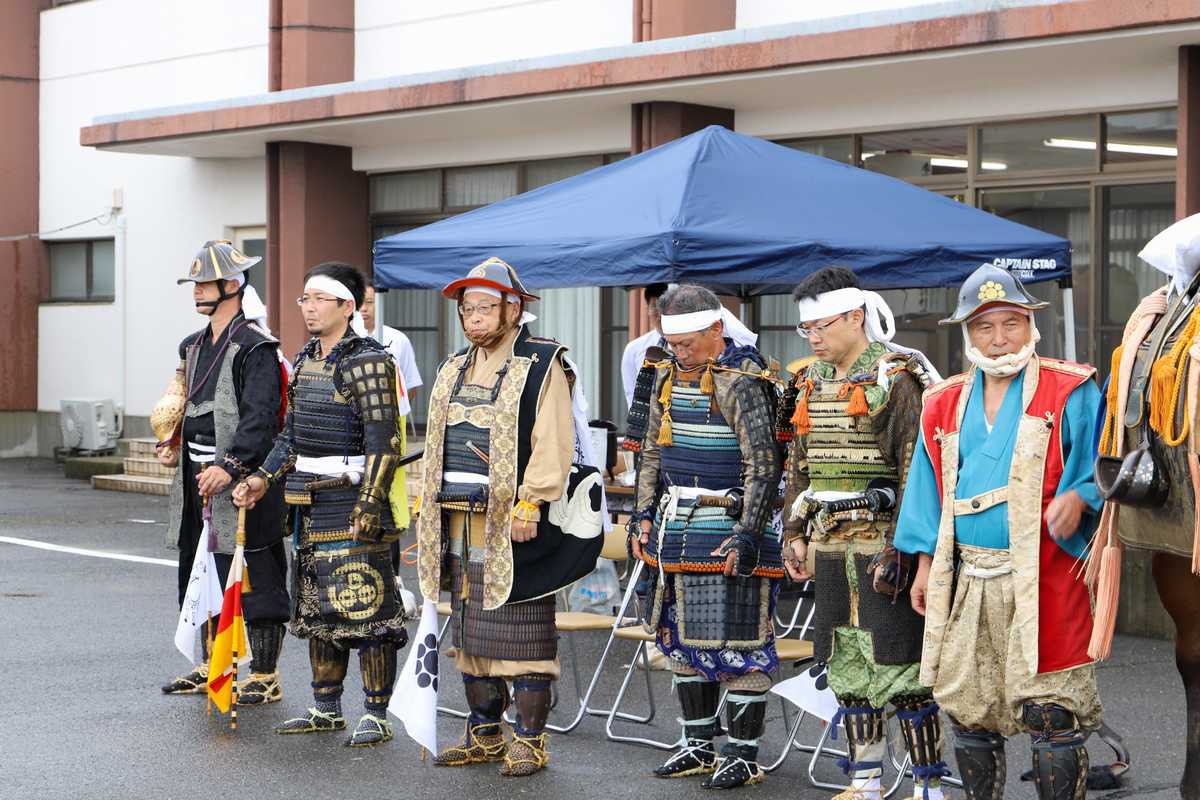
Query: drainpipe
(119,250)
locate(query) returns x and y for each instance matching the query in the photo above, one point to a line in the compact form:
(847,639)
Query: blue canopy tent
(728,211)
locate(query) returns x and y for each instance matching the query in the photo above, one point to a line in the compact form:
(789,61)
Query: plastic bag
(598,592)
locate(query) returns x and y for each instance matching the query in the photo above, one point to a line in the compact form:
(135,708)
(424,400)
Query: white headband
(878,322)
(324,283)
(676,324)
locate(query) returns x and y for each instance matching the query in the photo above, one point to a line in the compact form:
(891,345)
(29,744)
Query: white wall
(108,56)
(399,38)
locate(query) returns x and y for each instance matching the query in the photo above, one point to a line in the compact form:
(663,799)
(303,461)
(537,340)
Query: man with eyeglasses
(230,381)
(857,408)
(499,498)
(336,458)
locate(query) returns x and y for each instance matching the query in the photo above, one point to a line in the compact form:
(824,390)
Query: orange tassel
(800,419)
(858,402)
(1162,379)
(1108,593)
(706,381)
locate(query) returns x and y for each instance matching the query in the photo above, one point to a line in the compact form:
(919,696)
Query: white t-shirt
(632,358)
(402,353)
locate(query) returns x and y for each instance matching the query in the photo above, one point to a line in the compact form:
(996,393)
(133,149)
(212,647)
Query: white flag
(202,599)
(414,700)
(809,691)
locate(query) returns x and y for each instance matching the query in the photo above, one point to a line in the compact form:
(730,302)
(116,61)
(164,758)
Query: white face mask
(1005,365)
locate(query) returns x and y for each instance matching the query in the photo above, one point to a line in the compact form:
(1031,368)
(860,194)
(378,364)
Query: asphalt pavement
(85,642)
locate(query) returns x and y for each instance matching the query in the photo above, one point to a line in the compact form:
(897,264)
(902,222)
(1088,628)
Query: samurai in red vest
(998,508)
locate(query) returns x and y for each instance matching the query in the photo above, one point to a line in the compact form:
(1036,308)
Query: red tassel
(858,403)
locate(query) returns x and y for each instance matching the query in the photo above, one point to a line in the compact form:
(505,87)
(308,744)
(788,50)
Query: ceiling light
(1114,147)
(961,163)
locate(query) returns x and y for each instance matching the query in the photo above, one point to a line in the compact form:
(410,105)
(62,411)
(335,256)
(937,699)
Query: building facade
(305,129)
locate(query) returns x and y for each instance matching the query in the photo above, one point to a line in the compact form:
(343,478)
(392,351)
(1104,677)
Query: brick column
(1187,179)
(658,123)
(319,212)
(21,260)
(317,205)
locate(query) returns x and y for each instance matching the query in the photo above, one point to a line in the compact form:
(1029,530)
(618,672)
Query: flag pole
(208,632)
(233,689)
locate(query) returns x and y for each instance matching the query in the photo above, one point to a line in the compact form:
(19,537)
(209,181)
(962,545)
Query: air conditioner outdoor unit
(90,425)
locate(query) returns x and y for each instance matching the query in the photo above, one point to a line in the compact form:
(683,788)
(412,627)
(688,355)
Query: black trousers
(267,600)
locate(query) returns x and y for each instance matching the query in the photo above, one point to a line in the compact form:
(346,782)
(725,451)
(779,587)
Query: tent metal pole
(1068,298)
(380,302)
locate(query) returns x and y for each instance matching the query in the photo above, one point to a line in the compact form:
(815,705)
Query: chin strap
(222,296)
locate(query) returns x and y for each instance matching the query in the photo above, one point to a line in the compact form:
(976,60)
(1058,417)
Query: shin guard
(1060,757)
(981,763)
(922,730)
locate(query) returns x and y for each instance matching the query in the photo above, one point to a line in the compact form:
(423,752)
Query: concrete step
(84,467)
(147,467)
(141,484)
(138,448)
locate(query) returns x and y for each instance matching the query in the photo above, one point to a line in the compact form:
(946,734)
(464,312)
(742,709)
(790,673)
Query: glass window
(407,191)
(1046,145)
(1141,136)
(68,271)
(614,336)
(478,186)
(543,173)
(1134,215)
(777,337)
(1063,212)
(82,271)
(104,279)
(918,154)
(840,148)
(416,313)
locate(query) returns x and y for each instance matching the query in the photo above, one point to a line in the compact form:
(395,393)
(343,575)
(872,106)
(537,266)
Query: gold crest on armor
(362,595)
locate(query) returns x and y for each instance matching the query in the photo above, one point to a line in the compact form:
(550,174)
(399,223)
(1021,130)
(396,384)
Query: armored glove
(368,512)
(744,546)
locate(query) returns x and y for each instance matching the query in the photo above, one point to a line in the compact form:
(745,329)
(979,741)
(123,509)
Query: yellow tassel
(665,438)
(858,403)
(706,380)
(1107,440)
(800,419)
(246,581)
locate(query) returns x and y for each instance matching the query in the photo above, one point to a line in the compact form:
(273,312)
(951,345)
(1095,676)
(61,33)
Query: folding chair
(576,621)
(784,630)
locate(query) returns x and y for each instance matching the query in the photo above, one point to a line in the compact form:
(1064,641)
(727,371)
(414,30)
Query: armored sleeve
(648,471)
(753,422)
(796,483)
(258,412)
(370,380)
(897,435)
